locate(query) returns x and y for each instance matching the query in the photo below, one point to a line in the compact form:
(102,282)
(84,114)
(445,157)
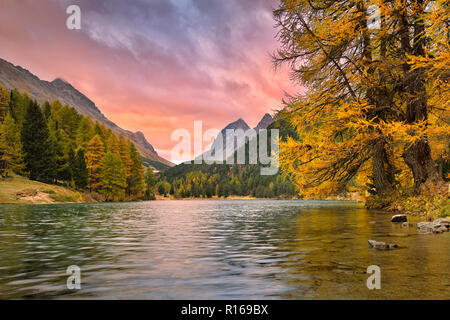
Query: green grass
(424,205)
(34,192)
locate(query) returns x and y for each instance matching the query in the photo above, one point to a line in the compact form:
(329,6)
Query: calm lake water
(215,250)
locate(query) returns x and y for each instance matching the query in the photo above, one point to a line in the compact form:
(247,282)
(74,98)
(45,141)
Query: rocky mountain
(233,141)
(264,123)
(17,77)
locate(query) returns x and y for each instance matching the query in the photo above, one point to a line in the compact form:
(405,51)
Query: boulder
(440,229)
(441,223)
(381,245)
(437,226)
(399,218)
(425,227)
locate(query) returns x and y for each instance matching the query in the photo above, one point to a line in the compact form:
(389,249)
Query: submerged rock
(381,245)
(407,224)
(399,218)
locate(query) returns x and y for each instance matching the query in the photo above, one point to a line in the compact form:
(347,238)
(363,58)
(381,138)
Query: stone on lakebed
(381,245)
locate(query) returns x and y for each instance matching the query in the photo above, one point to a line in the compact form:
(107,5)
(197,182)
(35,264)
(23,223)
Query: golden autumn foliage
(94,156)
(375,115)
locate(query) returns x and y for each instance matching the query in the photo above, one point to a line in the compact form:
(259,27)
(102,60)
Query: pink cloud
(208,62)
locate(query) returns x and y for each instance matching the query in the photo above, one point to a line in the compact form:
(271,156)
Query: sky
(154,65)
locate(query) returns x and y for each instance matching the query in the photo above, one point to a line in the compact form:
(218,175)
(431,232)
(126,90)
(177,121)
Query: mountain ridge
(265,121)
(16,77)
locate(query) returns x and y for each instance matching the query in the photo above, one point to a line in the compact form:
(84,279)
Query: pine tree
(18,104)
(113,144)
(40,157)
(124,150)
(11,155)
(71,165)
(4,102)
(84,132)
(135,179)
(5,154)
(61,145)
(80,170)
(46,110)
(150,183)
(94,156)
(112,178)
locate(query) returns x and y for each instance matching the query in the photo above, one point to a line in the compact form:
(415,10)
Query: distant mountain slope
(264,123)
(238,124)
(19,78)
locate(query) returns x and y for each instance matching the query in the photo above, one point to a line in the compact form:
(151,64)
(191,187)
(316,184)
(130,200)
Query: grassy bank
(17,189)
(427,206)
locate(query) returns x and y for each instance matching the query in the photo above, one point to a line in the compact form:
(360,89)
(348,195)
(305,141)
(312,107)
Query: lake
(213,249)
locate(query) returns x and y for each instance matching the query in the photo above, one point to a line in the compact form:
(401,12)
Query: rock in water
(381,245)
(399,218)
(425,227)
(440,229)
(437,226)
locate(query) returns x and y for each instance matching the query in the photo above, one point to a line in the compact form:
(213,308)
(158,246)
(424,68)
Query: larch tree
(11,154)
(95,153)
(363,116)
(150,183)
(112,178)
(124,151)
(113,144)
(4,102)
(84,133)
(135,179)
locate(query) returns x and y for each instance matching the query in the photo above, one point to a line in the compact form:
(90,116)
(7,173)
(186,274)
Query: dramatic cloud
(154,65)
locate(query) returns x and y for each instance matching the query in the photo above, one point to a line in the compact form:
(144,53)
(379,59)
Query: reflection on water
(215,250)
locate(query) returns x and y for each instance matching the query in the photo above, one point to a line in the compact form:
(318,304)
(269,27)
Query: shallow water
(201,249)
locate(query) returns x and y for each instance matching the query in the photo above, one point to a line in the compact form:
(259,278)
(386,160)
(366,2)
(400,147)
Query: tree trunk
(418,155)
(382,172)
(418,158)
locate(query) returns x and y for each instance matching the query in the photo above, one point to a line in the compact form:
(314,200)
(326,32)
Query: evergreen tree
(112,178)
(135,180)
(11,154)
(40,157)
(84,132)
(113,144)
(80,170)
(61,144)
(4,102)
(46,110)
(124,151)
(5,154)
(18,104)
(94,156)
(150,182)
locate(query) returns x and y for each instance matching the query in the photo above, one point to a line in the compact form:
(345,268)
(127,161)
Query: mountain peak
(265,122)
(59,80)
(12,76)
(238,124)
